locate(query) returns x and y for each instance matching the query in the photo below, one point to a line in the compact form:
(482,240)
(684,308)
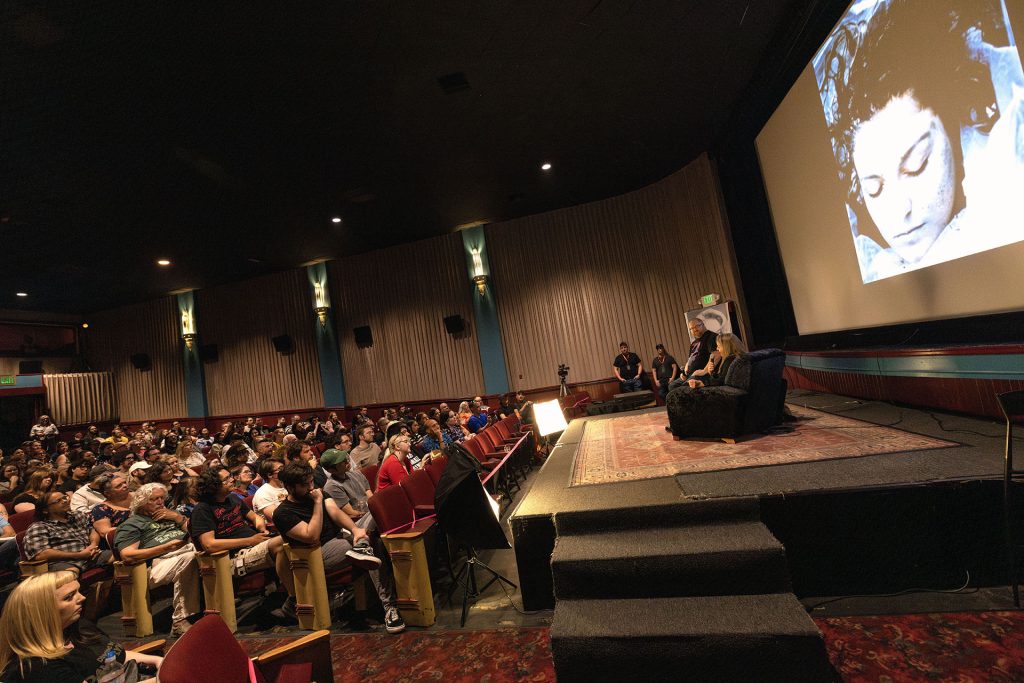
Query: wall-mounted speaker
(363,335)
(455,324)
(141,361)
(208,353)
(30,367)
(283,344)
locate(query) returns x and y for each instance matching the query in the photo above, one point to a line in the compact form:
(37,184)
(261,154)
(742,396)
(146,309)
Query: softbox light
(465,510)
(549,418)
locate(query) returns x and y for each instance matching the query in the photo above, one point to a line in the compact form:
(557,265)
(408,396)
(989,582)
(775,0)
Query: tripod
(473,589)
(563,388)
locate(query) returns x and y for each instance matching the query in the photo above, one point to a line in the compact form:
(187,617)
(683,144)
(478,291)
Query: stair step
(726,558)
(712,638)
(666,514)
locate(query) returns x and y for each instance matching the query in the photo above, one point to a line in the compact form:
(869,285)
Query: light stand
(550,419)
(473,589)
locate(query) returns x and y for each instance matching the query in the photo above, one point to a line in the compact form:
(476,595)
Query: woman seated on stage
(729,349)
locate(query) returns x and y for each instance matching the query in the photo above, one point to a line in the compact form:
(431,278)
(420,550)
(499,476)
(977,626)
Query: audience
(366,452)
(39,483)
(85,498)
(116,505)
(272,492)
(396,465)
(64,539)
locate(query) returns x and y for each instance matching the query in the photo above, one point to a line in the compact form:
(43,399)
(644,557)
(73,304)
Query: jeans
(635,384)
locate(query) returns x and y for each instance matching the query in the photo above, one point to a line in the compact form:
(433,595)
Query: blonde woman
(43,640)
(729,349)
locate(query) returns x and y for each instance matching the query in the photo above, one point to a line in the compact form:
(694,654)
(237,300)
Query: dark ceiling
(225,135)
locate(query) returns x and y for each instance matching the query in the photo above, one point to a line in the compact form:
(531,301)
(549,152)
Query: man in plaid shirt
(65,539)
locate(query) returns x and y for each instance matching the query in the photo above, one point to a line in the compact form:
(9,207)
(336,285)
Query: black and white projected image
(924,103)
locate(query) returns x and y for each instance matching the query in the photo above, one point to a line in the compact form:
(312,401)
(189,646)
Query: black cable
(907,591)
(944,428)
(513,602)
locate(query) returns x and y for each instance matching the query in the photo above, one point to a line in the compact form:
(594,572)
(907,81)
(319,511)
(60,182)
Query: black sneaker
(362,556)
(393,622)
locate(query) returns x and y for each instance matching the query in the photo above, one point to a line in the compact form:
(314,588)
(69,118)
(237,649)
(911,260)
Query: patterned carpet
(491,656)
(637,446)
(960,647)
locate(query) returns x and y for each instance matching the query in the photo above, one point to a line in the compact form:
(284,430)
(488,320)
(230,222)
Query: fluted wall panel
(573,283)
(241,318)
(151,328)
(404,294)
(80,397)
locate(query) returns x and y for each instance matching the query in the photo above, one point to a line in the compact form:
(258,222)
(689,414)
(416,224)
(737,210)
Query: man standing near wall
(628,368)
(663,370)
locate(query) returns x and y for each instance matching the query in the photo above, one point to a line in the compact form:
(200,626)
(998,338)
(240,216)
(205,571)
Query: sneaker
(286,610)
(363,557)
(179,628)
(393,622)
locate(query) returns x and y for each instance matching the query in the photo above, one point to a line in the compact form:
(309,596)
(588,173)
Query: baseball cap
(333,457)
(140,465)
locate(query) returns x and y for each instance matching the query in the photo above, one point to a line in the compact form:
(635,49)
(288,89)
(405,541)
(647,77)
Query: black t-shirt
(82,662)
(700,352)
(663,368)
(627,364)
(288,514)
(226,520)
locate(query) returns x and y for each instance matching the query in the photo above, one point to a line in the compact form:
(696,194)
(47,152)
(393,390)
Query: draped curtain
(403,294)
(80,397)
(148,328)
(573,283)
(249,375)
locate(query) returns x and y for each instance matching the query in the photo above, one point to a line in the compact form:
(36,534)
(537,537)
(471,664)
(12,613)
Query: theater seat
(370,472)
(313,585)
(133,581)
(404,537)
(419,488)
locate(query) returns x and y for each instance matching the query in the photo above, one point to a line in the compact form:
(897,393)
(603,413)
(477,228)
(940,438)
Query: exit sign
(709,300)
(7,379)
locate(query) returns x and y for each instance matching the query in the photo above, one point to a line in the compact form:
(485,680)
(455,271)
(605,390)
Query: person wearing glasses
(396,466)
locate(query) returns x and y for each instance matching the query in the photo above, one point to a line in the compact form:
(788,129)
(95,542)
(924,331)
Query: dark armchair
(751,400)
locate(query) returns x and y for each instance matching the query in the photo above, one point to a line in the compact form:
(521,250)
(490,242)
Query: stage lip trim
(983,366)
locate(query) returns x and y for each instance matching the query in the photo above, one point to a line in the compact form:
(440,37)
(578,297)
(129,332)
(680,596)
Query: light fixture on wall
(320,302)
(188,328)
(479,276)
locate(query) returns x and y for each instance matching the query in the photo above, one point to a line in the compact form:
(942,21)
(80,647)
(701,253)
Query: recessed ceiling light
(545,166)
(22,294)
(163,262)
(85,326)
(336,219)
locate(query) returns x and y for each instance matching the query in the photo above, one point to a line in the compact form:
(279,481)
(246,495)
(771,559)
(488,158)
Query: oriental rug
(633,447)
(494,656)
(960,647)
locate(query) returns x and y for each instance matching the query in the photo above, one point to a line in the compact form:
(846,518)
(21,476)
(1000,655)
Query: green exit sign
(7,379)
(709,300)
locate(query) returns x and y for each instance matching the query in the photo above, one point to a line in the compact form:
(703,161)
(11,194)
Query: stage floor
(977,454)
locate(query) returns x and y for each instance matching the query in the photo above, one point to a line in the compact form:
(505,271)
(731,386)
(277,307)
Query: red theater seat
(419,487)
(370,472)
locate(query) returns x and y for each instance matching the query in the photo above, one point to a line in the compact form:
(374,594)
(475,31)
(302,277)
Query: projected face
(905,163)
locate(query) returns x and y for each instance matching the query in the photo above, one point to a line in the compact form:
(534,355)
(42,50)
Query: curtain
(81,397)
(573,283)
(403,294)
(250,376)
(149,328)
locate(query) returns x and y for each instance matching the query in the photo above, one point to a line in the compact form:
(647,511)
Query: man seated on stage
(628,369)
(307,517)
(663,370)
(701,348)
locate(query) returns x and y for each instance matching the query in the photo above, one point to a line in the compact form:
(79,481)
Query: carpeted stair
(697,592)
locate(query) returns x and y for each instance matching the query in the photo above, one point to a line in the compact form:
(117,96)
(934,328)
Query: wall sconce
(320,302)
(479,277)
(188,328)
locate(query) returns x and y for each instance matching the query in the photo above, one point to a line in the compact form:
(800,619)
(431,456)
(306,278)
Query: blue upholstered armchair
(751,400)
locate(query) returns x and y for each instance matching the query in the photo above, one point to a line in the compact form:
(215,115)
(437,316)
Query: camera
(563,370)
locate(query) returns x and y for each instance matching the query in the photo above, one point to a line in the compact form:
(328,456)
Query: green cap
(332,457)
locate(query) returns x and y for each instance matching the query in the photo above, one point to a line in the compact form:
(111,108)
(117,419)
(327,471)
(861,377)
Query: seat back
(476,447)
(392,510)
(419,488)
(21,521)
(370,472)
(435,467)
(189,658)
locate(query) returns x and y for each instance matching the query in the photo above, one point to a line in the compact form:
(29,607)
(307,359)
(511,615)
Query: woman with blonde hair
(730,347)
(43,640)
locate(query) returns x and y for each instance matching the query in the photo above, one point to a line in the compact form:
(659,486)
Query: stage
(943,497)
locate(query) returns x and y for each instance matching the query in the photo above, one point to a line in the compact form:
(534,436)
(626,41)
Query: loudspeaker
(283,344)
(141,361)
(363,335)
(454,324)
(30,367)
(208,353)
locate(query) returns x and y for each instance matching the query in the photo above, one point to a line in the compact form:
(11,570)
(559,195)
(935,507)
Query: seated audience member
(85,498)
(137,474)
(454,431)
(10,482)
(116,505)
(8,548)
(157,536)
(221,522)
(179,470)
(64,539)
(302,452)
(348,488)
(40,482)
(78,476)
(396,465)
(435,438)
(307,517)
(269,496)
(188,453)
(628,369)
(161,473)
(464,413)
(264,449)
(42,639)
(244,478)
(184,496)
(729,349)
(344,442)
(701,348)
(477,420)
(366,451)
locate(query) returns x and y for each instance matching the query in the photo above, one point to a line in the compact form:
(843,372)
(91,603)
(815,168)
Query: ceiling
(225,135)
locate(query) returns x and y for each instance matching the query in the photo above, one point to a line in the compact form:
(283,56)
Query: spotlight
(85,326)
(336,219)
(545,166)
(163,262)
(22,294)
